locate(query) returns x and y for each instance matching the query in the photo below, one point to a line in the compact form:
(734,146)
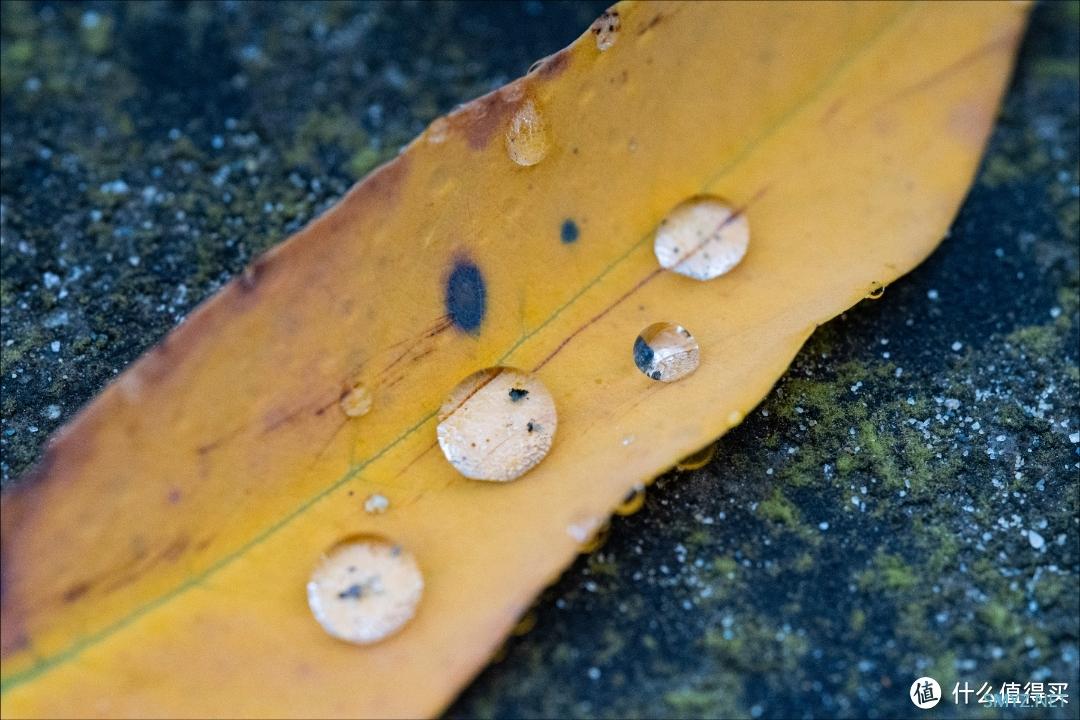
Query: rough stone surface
(904,503)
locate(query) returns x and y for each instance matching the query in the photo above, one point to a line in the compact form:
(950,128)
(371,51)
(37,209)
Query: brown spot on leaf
(75,592)
(555,65)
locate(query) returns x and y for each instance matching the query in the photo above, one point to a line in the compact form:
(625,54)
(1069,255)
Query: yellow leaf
(156,562)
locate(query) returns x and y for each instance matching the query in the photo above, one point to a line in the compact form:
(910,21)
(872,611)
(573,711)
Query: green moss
(778,509)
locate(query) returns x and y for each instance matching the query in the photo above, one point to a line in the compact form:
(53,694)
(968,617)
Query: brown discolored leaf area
(155,563)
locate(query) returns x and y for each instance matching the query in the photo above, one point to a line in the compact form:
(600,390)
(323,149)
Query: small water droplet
(364,589)
(666,352)
(633,501)
(702,238)
(699,459)
(876,291)
(583,528)
(376,504)
(589,531)
(497,424)
(357,401)
(527,138)
(438,130)
(606,29)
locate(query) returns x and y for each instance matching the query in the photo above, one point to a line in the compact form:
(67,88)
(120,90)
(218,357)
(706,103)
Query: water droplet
(365,589)
(702,238)
(376,504)
(438,130)
(527,139)
(699,459)
(589,531)
(606,29)
(666,352)
(497,424)
(876,291)
(633,501)
(356,402)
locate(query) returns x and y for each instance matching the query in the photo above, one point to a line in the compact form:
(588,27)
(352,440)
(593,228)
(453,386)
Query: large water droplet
(356,402)
(364,589)
(527,139)
(666,352)
(702,238)
(497,424)
(606,29)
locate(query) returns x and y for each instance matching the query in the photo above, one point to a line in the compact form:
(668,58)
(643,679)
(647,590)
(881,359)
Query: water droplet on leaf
(527,139)
(666,352)
(497,424)
(364,589)
(702,238)
(357,401)
(376,504)
(589,531)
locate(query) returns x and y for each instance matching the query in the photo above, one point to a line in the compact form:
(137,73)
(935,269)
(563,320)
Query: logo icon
(925,693)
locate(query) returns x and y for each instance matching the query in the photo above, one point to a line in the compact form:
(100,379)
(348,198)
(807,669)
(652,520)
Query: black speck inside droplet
(569,232)
(517,393)
(643,355)
(466,296)
(530,427)
(353,592)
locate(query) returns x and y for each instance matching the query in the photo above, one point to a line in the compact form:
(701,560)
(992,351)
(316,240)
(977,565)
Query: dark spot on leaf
(75,592)
(466,296)
(569,232)
(517,393)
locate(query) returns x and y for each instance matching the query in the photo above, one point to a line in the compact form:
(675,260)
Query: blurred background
(904,503)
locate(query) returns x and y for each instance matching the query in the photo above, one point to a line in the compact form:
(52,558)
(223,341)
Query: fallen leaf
(155,561)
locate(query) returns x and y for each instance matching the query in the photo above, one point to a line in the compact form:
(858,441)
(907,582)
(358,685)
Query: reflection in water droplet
(633,501)
(666,352)
(702,238)
(699,459)
(376,504)
(357,402)
(606,29)
(497,424)
(526,139)
(364,589)
(628,440)
(876,291)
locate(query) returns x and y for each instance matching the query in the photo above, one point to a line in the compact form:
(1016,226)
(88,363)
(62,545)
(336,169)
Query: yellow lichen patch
(157,559)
